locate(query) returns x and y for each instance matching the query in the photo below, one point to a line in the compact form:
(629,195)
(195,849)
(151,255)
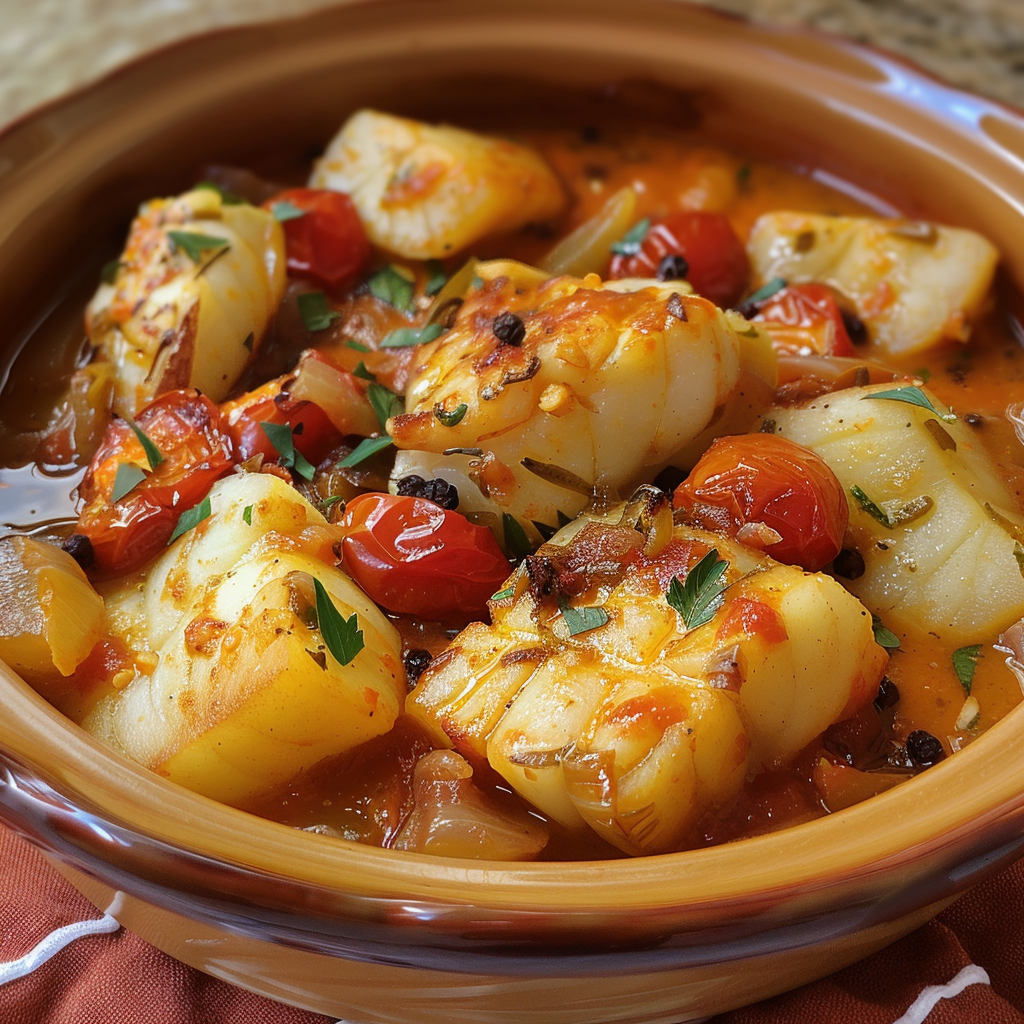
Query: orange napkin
(117,978)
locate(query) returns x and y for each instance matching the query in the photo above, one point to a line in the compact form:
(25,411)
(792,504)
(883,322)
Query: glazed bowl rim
(844,851)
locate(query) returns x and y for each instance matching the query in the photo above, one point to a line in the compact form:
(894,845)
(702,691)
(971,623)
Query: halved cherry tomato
(716,258)
(808,317)
(755,481)
(328,242)
(191,434)
(416,558)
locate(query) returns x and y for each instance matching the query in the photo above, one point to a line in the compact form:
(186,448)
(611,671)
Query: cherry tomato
(813,313)
(416,558)
(191,434)
(328,243)
(717,262)
(745,483)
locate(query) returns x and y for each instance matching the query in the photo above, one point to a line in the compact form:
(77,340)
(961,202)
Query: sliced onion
(586,250)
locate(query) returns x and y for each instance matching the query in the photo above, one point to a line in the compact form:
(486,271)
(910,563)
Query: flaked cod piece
(240,693)
(603,704)
(914,284)
(190,299)
(429,191)
(547,391)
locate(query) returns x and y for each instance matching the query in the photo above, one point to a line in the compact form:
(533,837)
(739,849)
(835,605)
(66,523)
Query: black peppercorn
(888,695)
(437,490)
(509,329)
(415,661)
(673,268)
(924,748)
(854,327)
(79,547)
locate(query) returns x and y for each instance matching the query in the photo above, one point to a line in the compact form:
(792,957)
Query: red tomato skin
(415,558)
(329,243)
(764,478)
(313,434)
(810,306)
(192,435)
(719,267)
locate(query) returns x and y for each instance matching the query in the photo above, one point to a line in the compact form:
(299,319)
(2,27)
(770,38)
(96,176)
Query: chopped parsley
(451,418)
(437,279)
(193,244)
(362,451)
(912,395)
(965,661)
(316,311)
(516,540)
(128,476)
(702,594)
(384,401)
(247,515)
(766,291)
(343,636)
(357,345)
(407,337)
(629,244)
(153,456)
(395,286)
(884,636)
(190,519)
(362,372)
(582,620)
(501,595)
(281,437)
(108,272)
(283,210)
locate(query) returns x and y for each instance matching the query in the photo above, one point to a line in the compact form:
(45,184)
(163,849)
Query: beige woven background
(49,46)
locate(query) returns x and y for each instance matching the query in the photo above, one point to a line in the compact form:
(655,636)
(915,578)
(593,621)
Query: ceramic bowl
(375,935)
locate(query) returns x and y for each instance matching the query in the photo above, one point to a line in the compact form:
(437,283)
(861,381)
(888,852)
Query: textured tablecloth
(966,967)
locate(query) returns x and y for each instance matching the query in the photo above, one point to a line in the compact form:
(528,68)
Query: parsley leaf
(127,477)
(702,594)
(393,286)
(515,536)
(633,239)
(406,337)
(283,210)
(247,515)
(358,346)
(437,280)
(343,636)
(766,291)
(453,417)
(872,509)
(384,401)
(501,595)
(108,273)
(362,451)
(582,620)
(363,372)
(281,437)
(153,456)
(315,311)
(884,636)
(965,661)
(193,244)
(190,519)
(912,395)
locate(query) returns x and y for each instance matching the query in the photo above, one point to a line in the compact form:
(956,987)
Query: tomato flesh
(413,557)
(716,258)
(754,479)
(328,242)
(192,435)
(813,314)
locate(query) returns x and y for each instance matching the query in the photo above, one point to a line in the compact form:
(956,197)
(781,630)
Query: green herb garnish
(393,286)
(193,244)
(900,515)
(226,197)
(766,291)
(884,636)
(912,395)
(247,515)
(128,476)
(702,594)
(582,620)
(501,595)
(384,401)
(362,451)
(872,509)
(357,345)
(108,272)
(190,519)
(629,244)
(283,210)
(316,311)
(437,279)
(153,456)
(362,372)
(343,636)
(515,536)
(282,438)
(452,418)
(965,661)
(406,337)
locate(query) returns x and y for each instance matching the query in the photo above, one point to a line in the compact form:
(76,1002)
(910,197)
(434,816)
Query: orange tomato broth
(358,791)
